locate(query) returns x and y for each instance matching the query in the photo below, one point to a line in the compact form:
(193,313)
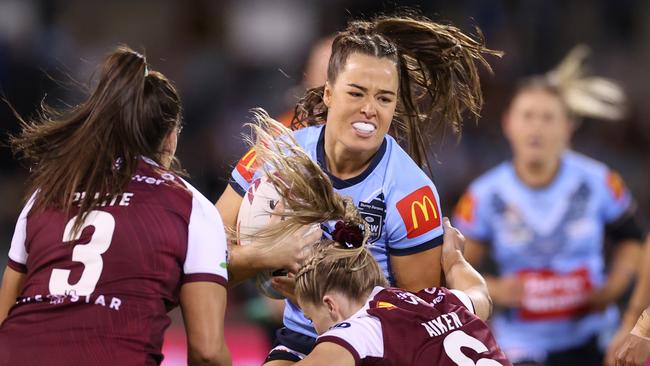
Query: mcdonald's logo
(419,211)
(247,165)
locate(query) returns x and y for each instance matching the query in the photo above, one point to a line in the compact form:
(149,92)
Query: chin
(363,144)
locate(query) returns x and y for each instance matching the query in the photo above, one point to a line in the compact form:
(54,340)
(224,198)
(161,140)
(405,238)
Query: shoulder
(403,175)
(361,334)
(579,163)
(308,135)
(492,179)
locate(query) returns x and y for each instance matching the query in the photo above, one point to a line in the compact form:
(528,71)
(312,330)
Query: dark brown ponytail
(94,147)
(438,75)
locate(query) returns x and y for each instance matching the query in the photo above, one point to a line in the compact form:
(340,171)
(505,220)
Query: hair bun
(347,234)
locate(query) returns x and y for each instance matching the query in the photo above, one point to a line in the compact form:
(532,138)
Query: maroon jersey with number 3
(100,295)
(436,326)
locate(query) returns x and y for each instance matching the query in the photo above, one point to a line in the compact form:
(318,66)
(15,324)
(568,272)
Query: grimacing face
(537,127)
(361,103)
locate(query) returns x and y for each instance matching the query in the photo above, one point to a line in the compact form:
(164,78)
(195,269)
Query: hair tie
(347,234)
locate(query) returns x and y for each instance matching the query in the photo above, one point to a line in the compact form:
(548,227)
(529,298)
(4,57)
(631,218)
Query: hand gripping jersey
(100,297)
(553,239)
(436,326)
(395,197)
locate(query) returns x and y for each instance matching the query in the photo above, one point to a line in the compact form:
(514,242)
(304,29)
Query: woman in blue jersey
(542,217)
(398,75)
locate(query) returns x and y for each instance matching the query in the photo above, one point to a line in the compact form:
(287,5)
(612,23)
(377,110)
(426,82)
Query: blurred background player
(112,238)
(344,292)
(542,217)
(391,74)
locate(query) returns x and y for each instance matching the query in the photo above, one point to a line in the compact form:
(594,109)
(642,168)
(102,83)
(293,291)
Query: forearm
(624,269)
(12,283)
(243,263)
(462,276)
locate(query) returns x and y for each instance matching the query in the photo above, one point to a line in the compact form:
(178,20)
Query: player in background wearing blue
(542,217)
(401,75)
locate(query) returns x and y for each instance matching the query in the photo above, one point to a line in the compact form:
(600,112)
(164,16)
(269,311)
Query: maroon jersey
(436,326)
(100,295)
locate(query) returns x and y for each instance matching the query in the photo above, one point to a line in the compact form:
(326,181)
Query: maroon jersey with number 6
(100,295)
(436,326)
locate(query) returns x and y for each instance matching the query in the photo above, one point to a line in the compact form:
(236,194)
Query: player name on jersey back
(442,324)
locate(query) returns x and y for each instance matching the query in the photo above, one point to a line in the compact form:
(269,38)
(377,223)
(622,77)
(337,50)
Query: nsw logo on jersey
(374,212)
(247,165)
(419,211)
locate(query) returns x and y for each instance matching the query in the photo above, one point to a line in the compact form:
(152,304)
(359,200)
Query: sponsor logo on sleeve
(419,211)
(615,185)
(385,305)
(465,208)
(247,165)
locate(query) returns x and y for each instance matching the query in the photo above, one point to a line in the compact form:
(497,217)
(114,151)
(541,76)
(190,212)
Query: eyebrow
(381,91)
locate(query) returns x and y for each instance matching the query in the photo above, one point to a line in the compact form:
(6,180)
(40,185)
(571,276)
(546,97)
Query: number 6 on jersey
(89,254)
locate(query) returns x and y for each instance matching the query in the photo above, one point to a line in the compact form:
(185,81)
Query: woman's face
(361,102)
(537,126)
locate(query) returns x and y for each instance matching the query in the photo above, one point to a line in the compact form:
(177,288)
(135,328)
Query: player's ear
(331,306)
(327,94)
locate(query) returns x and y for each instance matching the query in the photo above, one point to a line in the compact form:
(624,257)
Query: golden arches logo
(422,205)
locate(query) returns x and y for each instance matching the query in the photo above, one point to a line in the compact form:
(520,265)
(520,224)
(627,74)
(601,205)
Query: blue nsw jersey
(553,239)
(395,197)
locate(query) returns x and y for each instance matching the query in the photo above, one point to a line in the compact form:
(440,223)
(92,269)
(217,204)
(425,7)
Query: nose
(369,110)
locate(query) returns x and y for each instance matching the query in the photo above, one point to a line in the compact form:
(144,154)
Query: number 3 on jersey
(89,254)
(457,339)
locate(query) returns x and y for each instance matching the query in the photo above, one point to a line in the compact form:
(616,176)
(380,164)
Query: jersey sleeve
(244,172)
(464,299)
(362,337)
(617,199)
(414,225)
(18,250)
(206,243)
(471,216)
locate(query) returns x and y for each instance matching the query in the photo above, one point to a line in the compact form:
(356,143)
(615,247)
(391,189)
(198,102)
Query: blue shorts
(290,346)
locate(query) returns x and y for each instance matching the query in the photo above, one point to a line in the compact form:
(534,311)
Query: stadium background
(228,56)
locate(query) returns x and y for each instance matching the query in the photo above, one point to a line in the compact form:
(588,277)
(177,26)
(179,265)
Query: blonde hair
(351,272)
(309,198)
(583,96)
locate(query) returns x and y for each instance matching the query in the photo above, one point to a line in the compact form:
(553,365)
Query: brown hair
(437,69)
(581,96)
(309,198)
(94,147)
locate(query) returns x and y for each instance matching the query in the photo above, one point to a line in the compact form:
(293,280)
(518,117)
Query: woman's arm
(204,307)
(460,274)
(245,261)
(12,283)
(417,271)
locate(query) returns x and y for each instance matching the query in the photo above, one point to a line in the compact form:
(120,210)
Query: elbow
(205,354)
